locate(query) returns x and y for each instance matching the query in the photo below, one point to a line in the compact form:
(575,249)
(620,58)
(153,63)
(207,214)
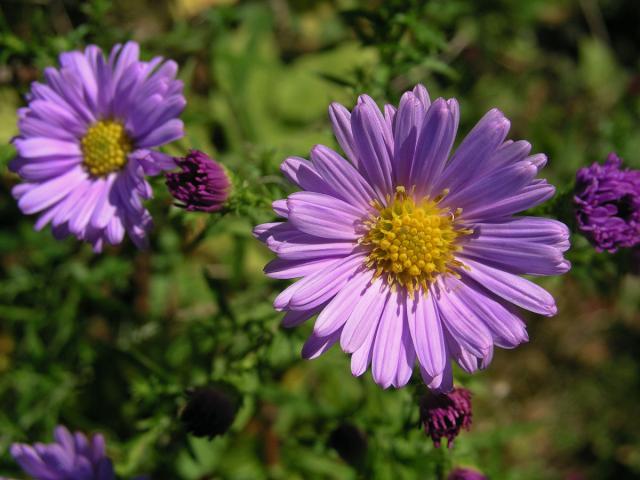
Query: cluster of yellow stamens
(105,147)
(412,243)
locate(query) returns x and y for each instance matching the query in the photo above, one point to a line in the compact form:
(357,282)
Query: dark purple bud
(465,474)
(445,414)
(209,412)
(350,442)
(201,185)
(607,200)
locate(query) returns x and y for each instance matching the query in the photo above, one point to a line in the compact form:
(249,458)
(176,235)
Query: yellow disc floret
(105,147)
(411,242)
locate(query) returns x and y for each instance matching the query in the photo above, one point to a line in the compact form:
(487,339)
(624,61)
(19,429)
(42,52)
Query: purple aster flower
(408,255)
(70,457)
(607,202)
(445,414)
(86,140)
(465,474)
(201,185)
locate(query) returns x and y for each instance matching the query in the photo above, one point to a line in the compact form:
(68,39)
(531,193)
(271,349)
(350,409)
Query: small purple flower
(607,202)
(86,143)
(409,254)
(445,414)
(201,185)
(465,474)
(70,457)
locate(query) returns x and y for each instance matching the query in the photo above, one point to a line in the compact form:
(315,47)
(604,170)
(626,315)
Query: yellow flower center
(105,147)
(412,243)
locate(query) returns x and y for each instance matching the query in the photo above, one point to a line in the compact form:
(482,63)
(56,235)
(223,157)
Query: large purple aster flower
(407,255)
(70,457)
(607,202)
(86,140)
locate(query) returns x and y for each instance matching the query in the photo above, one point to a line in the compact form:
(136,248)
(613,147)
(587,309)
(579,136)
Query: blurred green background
(110,342)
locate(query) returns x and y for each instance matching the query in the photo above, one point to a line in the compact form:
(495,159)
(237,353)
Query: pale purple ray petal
(406,356)
(512,288)
(425,327)
(347,182)
(79,221)
(62,435)
(267,230)
(72,203)
(531,229)
(320,286)
(465,326)
(492,187)
(386,349)
(361,358)
(408,124)
(168,132)
(106,204)
(422,94)
(33,126)
(287,269)
(39,147)
(433,145)
(368,128)
(31,462)
(300,246)
(365,316)
(474,151)
(280,207)
(338,310)
(115,231)
(530,196)
(293,318)
(442,383)
(43,195)
(341,122)
(303,174)
(507,330)
(317,345)
(40,171)
(324,216)
(58,116)
(515,256)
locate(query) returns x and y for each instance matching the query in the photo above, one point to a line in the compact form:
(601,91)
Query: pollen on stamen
(410,242)
(105,147)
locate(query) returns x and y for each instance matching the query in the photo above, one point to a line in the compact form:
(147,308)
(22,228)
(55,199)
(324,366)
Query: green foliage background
(110,342)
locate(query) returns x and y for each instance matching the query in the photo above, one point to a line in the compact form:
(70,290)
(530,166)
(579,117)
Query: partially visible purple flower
(86,143)
(607,202)
(465,474)
(70,457)
(202,184)
(444,415)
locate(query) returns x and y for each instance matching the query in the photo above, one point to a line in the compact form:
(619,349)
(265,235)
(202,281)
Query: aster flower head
(443,415)
(406,255)
(465,474)
(607,200)
(86,143)
(201,185)
(70,457)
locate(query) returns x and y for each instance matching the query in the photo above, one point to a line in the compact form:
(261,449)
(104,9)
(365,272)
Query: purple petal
(425,327)
(337,311)
(317,345)
(365,317)
(341,121)
(324,216)
(347,182)
(512,288)
(320,286)
(38,147)
(369,130)
(474,151)
(43,195)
